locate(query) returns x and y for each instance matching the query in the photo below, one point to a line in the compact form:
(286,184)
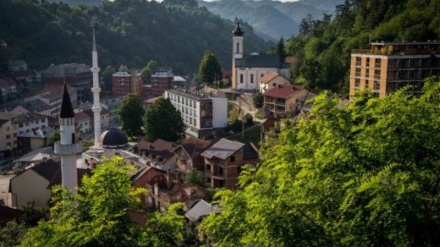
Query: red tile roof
(283,91)
(81,116)
(53,89)
(268,77)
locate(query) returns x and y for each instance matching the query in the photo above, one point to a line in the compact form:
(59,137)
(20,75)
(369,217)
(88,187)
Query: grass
(250,135)
(233,112)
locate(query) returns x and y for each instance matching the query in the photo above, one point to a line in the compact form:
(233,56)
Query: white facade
(96,108)
(199,111)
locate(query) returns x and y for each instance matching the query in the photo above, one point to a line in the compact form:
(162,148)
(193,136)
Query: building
(389,66)
(112,106)
(203,114)
(12,125)
(32,140)
(188,154)
(224,161)
(76,75)
(8,88)
(247,69)
(17,65)
(68,146)
(286,99)
(161,80)
(125,82)
(271,80)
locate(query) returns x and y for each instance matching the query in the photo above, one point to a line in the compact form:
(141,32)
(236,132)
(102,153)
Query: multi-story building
(286,99)
(161,80)
(224,161)
(51,96)
(77,75)
(388,66)
(12,125)
(125,82)
(202,114)
(112,106)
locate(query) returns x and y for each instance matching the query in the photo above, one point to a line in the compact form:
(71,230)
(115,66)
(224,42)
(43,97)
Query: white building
(248,69)
(202,114)
(271,80)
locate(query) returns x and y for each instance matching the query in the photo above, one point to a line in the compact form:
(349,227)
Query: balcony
(218,176)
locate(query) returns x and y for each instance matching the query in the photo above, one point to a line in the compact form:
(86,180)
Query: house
(286,99)
(19,106)
(200,210)
(8,88)
(112,106)
(83,123)
(179,82)
(271,80)
(204,115)
(32,184)
(224,161)
(17,65)
(188,154)
(247,69)
(51,96)
(271,126)
(125,82)
(36,138)
(157,154)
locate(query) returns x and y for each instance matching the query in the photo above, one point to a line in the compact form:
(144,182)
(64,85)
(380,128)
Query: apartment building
(202,114)
(161,80)
(389,66)
(125,82)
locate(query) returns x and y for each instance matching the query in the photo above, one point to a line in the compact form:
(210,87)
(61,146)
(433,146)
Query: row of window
(183,100)
(251,79)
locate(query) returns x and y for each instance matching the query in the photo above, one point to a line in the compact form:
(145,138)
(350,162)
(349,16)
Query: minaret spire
(67,147)
(96,108)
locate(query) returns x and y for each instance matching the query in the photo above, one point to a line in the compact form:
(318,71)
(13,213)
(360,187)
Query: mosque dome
(113,138)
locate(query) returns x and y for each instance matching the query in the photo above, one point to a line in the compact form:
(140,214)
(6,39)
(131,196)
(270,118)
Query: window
(7,128)
(368,62)
(232,158)
(376,85)
(367,73)
(357,82)
(241,78)
(237,47)
(8,136)
(358,61)
(252,78)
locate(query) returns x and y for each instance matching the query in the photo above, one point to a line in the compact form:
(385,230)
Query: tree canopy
(146,71)
(210,70)
(163,121)
(364,175)
(131,113)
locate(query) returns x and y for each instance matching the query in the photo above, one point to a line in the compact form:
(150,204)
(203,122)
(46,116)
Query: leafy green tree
(196,177)
(163,121)
(12,234)
(53,137)
(130,114)
(146,71)
(123,68)
(310,70)
(97,216)
(363,175)
(249,119)
(258,99)
(209,68)
(107,76)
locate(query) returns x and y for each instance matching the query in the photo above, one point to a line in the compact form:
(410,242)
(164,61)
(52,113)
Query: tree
(53,137)
(258,99)
(131,113)
(196,177)
(209,68)
(12,234)
(310,70)
(280,49)
(163,121)
(146,71)
(107,76)
(363,175)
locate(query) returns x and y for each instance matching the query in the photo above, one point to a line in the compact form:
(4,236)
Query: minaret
(237,51)
(96,108)
(67,147)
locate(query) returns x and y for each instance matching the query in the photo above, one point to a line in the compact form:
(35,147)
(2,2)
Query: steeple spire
(66,105)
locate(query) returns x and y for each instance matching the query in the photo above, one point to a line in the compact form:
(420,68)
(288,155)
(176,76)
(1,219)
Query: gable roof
(268,77)
(249,152)
(194,146)
(260,61)
(57,178)
(202,208)
(81,116)
(48,168)
(283,91)
(222,149)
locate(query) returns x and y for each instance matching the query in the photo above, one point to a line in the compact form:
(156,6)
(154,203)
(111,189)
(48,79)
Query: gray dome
(113,138)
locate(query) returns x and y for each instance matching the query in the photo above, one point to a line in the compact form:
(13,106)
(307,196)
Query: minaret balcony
(67,148)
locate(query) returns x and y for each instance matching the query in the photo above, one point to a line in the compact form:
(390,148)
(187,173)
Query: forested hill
(323,45)
(128,32)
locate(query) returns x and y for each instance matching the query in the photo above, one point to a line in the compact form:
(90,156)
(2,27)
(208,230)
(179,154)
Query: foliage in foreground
(364,175)
(99,215)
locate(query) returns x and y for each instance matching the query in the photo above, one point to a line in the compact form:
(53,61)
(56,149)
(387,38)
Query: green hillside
(129,32)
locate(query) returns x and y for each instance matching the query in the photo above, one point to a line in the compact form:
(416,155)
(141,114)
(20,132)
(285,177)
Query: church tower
(96,108)
(237,51)
(67,147)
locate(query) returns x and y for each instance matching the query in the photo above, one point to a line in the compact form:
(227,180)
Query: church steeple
(237,31)
(237,51)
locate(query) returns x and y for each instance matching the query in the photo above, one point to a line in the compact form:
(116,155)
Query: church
(248,69)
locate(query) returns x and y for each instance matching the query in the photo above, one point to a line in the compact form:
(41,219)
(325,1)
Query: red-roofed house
(271,80)
(83,122)
(285,99)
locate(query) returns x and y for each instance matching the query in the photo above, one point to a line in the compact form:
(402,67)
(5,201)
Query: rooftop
(192,94)
(268,77)
(283,91)
(222,149)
